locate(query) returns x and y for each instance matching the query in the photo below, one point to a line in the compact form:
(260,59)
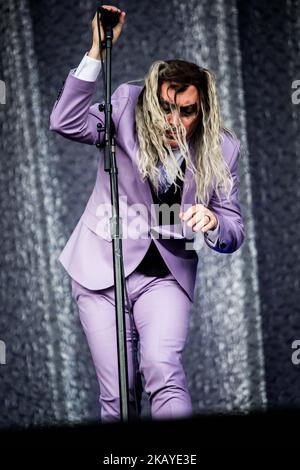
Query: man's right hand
(94,51)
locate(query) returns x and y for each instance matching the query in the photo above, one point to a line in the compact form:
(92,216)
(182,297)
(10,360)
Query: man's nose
(173,118)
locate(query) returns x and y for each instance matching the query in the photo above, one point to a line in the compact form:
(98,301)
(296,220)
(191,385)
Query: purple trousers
(161,311)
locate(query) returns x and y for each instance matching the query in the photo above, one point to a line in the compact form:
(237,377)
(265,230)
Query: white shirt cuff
(88,69)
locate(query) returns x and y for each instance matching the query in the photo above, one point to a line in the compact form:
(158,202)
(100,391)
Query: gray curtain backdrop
(246,314)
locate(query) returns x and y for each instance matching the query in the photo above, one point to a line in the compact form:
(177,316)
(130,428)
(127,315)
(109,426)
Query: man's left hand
(199,217)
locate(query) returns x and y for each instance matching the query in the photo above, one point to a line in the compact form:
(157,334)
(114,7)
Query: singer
(172,151)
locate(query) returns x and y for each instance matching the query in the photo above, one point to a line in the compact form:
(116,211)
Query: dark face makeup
(186,111)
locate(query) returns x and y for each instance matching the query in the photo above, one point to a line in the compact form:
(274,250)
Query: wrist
(94,53)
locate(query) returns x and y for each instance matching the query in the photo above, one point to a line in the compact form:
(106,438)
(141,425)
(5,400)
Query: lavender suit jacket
(87,256)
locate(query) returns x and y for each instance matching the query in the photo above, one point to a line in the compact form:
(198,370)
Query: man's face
(188,102)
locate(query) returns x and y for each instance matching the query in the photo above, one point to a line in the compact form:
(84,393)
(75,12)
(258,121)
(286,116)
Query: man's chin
(173,144)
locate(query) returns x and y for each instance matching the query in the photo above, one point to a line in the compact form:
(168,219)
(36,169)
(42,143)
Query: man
(171,150)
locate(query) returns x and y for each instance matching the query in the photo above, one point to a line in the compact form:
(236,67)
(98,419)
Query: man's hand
(199,217)
(94,51)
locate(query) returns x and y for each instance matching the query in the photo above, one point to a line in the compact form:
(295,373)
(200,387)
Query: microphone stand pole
(115,228)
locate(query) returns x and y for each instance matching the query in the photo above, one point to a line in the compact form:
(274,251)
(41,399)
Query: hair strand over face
(202,154)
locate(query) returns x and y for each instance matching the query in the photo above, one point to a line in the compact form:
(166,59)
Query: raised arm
(73,116)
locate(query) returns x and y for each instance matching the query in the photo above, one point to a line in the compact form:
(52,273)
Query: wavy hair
(208,165)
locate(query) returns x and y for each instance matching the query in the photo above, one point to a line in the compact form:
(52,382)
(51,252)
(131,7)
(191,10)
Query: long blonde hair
(209,168)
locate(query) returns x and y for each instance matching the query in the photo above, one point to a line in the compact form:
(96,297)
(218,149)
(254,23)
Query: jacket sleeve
(75,118)
(231,235)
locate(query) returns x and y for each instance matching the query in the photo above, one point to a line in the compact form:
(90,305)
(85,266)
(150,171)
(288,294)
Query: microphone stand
(115,225)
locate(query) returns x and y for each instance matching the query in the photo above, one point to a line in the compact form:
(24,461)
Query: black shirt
(153,264)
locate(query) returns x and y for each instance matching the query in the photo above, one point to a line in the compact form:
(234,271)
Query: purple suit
(160,305)
(87,256)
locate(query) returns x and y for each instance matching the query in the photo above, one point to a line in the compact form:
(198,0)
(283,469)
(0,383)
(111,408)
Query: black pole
(115,228)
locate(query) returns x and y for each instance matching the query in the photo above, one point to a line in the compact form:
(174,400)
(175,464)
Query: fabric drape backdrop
(246,314)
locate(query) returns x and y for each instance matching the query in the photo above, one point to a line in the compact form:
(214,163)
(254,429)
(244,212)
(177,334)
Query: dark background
(246,313)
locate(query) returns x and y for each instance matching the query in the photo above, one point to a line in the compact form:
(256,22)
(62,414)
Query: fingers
(191,211)
(120,25)
(122,17)
(196,218)
(205,224)
(111,8)
(117,10)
